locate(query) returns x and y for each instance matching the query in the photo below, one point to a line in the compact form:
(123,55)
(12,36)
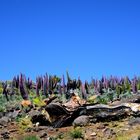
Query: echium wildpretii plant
(84,93)
(51,84)
(23,87)
(15,82)
(29,83)
(71,84)
(39,84)
(5,91)
(138,84)
(63,84)
(45,85)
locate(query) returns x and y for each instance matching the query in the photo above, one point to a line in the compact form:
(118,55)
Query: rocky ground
(16,124)
(126,129)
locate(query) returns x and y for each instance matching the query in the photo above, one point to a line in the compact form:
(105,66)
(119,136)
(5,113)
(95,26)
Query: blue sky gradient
(86,37)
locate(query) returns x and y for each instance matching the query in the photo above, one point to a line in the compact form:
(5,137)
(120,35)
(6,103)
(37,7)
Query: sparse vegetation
(106,89)
(76,133)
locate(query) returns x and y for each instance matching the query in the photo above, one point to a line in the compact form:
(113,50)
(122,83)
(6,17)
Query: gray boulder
(81,121)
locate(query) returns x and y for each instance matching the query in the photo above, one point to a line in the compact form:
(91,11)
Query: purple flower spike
(84,94)
(63,84)
(23,88)
(5,92)
(134,85)
(45,85)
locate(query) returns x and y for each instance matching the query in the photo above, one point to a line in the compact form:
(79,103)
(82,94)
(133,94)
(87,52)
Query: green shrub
(1,90)
(38,102)
(2,109)
(25,123)
(102,99)
(76,133)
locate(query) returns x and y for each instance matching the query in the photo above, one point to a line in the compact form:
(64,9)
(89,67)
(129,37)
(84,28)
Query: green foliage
(118,90)
(25,123)
(1,90)
(108,96)
(3,102)
(102,99)
(38,102)
(14,102)
(92,91)
(31,138)
(138,84)
(127,84)
(31,92)
(2,109)
(60,136)
(92,99)
(126,95)
(76,133)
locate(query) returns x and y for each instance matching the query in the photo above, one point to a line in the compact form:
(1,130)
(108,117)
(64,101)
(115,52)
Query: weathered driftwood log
(60,116)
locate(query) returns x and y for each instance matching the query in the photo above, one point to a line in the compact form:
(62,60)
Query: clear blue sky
(86,37)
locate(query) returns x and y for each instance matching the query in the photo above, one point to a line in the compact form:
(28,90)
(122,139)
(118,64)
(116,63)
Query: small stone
(125,129)
(51,129)
(108,132)
(4,121)
(134,121)
(93,134)
(37,124)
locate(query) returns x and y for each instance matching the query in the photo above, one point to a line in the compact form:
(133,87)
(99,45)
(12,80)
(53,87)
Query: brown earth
(115,130)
